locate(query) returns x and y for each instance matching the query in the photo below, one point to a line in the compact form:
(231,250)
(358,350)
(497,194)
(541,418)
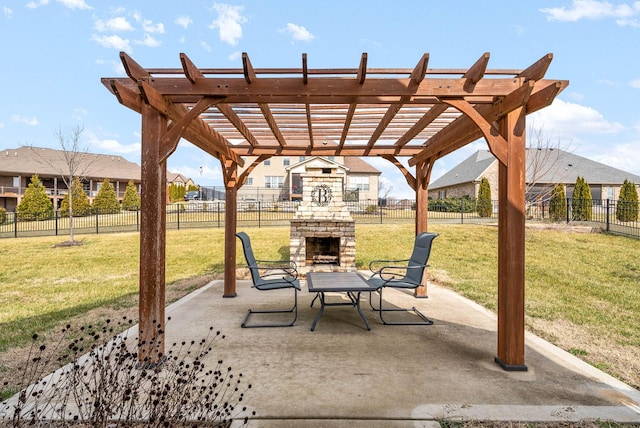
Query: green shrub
(177,192)
(3,216)
(558,203)
(80,201)
(371,209)
(35,204)
(484,206)
(106,201)
(452,205)
(627,207)
(582,202)
(131,199)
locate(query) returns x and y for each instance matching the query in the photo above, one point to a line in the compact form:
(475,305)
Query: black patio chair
(404,274)
(270,275)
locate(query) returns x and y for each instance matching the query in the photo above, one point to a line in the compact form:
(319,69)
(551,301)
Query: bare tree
(77,162)
(545,164)
(384,188)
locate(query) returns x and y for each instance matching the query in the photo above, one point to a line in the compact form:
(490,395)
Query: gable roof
(359,166)
(467,171)
(544,166)
(49,162)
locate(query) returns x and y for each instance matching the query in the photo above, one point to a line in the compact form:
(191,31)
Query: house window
(610,193)
(267,162)
(273,182)
(331,158)
(359,183)
(249,181)
(16,181)
(286,161)
(301,159)
(442,194)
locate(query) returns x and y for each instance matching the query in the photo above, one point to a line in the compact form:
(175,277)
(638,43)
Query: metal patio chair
(270,275)
(403,274)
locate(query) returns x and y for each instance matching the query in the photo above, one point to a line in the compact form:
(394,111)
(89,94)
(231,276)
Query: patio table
(351,283)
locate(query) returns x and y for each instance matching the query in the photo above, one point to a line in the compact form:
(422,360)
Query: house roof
(469,170)
(49,162)
(358,165)
(544,166)
(565,167)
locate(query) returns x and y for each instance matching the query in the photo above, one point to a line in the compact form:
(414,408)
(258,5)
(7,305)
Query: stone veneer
(321,216)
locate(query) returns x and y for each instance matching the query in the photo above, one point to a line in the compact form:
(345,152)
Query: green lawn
(589,280)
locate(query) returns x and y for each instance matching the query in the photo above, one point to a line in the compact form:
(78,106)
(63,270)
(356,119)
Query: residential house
(545,168)
(17,166)
(179,179)
(279,178)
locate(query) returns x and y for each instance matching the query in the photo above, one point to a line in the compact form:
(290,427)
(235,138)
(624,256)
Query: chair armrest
(385,262)
(397,273)
(287,272)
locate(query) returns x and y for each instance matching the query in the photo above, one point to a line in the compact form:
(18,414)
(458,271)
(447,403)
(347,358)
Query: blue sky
(55,52)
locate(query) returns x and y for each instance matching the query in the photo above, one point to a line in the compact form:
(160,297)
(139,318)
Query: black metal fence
(607,214)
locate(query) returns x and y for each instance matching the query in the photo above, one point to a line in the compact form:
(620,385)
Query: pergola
(419,113)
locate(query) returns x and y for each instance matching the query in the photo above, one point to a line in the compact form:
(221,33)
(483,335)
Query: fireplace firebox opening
(323,250)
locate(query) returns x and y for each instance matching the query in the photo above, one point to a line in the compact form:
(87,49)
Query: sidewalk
(393,376)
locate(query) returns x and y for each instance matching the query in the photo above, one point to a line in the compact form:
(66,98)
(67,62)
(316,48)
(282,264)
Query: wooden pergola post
(511,244)
(230,169)
(423,174)
(152,238)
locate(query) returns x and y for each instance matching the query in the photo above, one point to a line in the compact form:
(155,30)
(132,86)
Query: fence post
(568,206)
(461,211)
(259,213)
(218,214)
(608,213)
(380,209)
(97,221)
(15,224)
(57,216)
(178,209)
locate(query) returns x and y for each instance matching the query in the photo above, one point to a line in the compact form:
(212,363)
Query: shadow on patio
(341,374)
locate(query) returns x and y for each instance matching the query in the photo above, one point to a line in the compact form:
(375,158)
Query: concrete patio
(343,375)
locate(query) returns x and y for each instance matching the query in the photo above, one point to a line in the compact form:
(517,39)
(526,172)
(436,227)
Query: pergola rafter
(420,113)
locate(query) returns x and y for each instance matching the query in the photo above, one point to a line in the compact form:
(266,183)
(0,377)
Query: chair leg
(425,320)
(294,309)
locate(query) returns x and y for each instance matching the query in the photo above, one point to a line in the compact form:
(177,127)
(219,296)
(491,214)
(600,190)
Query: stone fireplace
(322,230)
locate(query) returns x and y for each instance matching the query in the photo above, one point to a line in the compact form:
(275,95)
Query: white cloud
(228,22)
(115,65)
(114,24)
(75,4)
(113,42)
(31,121)
(37,4)
(1,125)
(147,25)
(8,13)
(592,9)
(184,21)
(235,56)
(79,114)
(298,32)
(623,156)
(568,119)
(204,45)
(112,145)
(148,41)
(635,83)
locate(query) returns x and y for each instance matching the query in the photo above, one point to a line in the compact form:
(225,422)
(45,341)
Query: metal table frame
(351,283)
